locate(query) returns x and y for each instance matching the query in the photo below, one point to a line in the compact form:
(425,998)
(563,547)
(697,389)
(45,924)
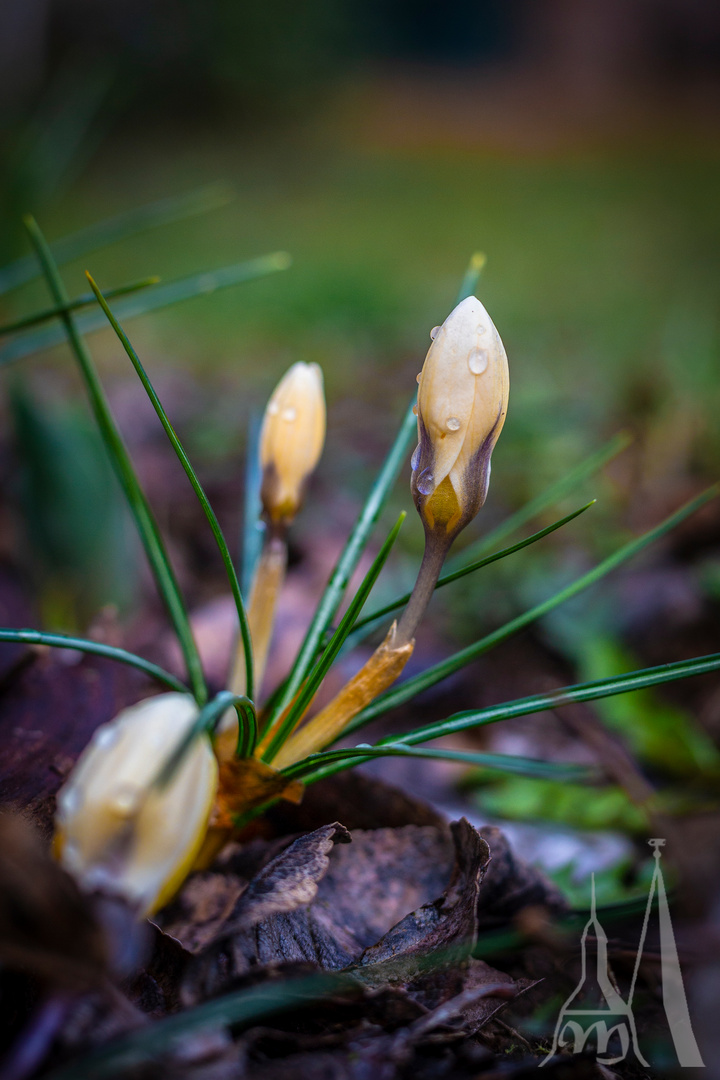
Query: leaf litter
(391,904)
(394,910)
(388,905)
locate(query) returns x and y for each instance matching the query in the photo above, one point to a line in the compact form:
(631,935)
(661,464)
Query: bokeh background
(380,144)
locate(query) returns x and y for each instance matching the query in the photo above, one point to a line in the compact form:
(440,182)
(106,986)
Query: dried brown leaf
(269,923)
(447,927)
(360,801)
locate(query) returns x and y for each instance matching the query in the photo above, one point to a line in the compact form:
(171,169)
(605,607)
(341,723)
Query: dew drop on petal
(434,332)
(478,360)
(289,415)
(273,408)
(106,737)
(69,801)
(415,410)
(70,853)
(124,799)
(426,482)
(418,377)
(452,423)
(415,459)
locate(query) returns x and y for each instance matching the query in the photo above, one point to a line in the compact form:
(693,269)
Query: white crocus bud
(462,402)
(117,829)
(291,440)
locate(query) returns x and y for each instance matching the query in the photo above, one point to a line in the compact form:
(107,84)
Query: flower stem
(267,583)
(436,548)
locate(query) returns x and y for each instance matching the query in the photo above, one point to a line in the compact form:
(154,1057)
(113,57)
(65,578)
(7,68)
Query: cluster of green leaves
(664,740)
(321,644)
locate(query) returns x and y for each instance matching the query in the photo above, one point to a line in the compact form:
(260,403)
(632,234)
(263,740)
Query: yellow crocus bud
(291,440)
(117,829)
(462,402)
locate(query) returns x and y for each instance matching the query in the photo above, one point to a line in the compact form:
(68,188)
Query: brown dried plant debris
(297,910)
(397,910)
(447,924)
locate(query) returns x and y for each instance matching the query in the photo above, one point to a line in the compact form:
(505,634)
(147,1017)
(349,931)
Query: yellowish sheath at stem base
(244,784)
(266,587)
(267,583)
(380,671)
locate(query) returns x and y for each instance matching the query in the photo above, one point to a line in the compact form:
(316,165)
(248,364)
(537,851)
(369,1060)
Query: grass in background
(603,275)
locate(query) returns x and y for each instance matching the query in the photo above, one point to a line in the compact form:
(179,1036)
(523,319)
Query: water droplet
(452,423)
(426,482)
(478,360)
(415,459)
(414,410)
(434,332)
(69,801)
(273,408)
(106,737)
(70,854)
(487,480)
(289,415)
(124,799)
(418,377)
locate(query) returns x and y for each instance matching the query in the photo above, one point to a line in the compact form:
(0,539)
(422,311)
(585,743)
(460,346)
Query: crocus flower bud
(462,402)
(291,440)
(117,829)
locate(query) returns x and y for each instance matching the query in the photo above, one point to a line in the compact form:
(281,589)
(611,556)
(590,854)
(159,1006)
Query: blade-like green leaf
(244,1007)
(195,483)
(445,579)
(589,691)
(144,519)
(411,687)
(253,525)
(96,648)
(135,221)
(207,720)
(553,494)
(248,729)
(507,763)
(74,305)
(318,673)
(159,297)
(347,562)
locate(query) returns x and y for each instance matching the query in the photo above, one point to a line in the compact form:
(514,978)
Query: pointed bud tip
(462,401)
(291,439)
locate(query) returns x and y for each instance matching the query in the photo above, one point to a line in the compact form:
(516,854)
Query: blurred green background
(381,144)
